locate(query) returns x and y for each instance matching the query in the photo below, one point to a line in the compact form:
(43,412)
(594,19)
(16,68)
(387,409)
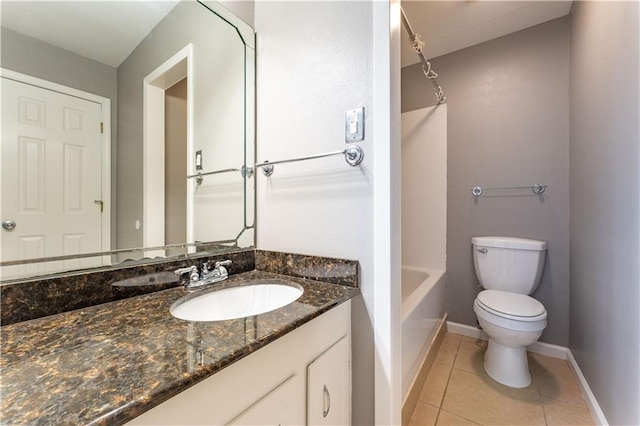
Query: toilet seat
(513,325)
(513,306)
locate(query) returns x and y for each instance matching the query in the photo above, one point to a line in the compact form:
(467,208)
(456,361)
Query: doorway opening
(167,90)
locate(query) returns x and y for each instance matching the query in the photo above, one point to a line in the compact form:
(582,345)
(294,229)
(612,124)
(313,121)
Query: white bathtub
(422,313)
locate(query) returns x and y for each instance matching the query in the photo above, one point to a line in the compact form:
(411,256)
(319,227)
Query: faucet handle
(211,265)
(222,263)
(191,270)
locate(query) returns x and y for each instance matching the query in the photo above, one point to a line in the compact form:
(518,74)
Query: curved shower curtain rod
(417,44)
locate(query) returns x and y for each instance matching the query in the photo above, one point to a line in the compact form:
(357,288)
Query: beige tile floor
(457,391)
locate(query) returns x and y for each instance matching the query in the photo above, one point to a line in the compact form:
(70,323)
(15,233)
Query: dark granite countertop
(106,364)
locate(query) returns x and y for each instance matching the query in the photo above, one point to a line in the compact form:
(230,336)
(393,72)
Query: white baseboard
(466,330)
(554,351)
(547,349)
(594,408)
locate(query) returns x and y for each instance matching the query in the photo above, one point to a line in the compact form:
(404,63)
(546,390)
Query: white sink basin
(235,302)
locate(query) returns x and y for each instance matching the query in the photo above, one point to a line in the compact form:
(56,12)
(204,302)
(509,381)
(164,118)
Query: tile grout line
(478,375)
(440,409)
(446,387)
(544,412)
(542,396)
(462,417)
(566,402)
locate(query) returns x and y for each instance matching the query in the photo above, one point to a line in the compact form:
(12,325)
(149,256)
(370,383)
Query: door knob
(9,225)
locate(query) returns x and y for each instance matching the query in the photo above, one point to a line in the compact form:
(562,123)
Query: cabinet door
(279,407)
(329,386)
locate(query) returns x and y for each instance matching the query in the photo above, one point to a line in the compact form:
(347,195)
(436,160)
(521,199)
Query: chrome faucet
(205,275)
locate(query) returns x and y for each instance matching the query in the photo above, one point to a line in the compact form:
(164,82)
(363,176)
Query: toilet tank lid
(509,242)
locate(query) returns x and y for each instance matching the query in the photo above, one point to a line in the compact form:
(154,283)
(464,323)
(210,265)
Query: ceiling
(108,31)
(447,26)
(105,31)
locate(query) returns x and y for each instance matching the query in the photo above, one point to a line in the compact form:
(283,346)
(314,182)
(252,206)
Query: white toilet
(509,269)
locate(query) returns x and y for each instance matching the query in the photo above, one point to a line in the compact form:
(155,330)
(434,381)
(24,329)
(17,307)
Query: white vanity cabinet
(329,386)
(282,383)
(279,407)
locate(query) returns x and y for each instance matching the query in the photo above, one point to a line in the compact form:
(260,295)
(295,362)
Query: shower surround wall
(508,124)
(424,188)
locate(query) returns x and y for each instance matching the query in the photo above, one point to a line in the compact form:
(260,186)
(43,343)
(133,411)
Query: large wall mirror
(127,130)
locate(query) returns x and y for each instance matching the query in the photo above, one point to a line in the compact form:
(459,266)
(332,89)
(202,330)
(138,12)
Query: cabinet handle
(326,401)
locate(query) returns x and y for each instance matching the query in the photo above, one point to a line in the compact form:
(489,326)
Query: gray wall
(30,56)
(218,103)
(244,10)
(508,124)
(604,189)
(175,163)
(33,57)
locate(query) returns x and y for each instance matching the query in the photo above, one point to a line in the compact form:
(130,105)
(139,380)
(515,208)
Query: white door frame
(105,104)
(387,230)
(166,75)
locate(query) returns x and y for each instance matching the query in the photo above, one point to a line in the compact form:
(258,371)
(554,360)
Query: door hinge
(101,127)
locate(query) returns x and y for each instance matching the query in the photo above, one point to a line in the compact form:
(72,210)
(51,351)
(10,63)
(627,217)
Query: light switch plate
(199,160)
(354,125)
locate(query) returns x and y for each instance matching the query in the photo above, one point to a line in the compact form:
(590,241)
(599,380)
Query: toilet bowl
(509,334)
(509,269)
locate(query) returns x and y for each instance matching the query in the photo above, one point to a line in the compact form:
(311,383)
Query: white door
(51,173)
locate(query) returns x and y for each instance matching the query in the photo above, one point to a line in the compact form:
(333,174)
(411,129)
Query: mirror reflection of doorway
(167,86)
(175,187)
(52,173)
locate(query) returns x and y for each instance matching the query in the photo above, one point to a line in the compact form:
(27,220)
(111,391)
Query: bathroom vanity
(87,336)
(131,361)
(302,378)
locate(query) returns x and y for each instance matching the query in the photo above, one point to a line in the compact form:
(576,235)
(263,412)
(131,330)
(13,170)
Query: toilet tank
(508,264)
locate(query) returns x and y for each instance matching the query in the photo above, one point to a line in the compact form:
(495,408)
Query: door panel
(51,173)
(329,387)
(32,175)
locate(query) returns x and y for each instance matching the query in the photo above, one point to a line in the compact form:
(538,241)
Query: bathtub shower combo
(423,293)
(424,227)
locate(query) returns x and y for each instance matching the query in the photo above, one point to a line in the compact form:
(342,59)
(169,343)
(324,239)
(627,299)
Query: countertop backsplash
(31,299)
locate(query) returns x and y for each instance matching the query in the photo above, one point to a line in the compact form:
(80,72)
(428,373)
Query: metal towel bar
(199,176)
(535,188)
(353,155)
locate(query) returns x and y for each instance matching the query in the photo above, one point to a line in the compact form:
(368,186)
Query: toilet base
(507,365)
